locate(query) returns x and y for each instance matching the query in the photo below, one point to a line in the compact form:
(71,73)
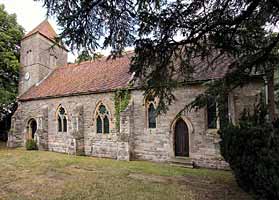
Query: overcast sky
(29,15)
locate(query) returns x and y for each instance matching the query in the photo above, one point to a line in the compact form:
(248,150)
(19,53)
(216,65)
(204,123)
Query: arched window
(102,122)
(62,120)
(151,115)
(211,114)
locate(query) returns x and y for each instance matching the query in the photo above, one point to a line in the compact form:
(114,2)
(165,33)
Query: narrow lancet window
(211,114)
(151,116)
(62,120)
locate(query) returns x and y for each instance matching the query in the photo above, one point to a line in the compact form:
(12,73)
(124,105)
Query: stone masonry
(134,140)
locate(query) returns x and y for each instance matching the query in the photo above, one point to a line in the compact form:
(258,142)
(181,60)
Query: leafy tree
(10,35)
(86,56)
(169,35)
(251,148)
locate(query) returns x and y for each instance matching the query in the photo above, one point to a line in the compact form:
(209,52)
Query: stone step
(182,162)
(182,165)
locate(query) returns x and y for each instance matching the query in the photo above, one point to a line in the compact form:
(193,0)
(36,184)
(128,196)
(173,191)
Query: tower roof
(45,29)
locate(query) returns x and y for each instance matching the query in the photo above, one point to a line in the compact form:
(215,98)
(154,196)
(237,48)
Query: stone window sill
(150,130)
(104,135)
(59,132)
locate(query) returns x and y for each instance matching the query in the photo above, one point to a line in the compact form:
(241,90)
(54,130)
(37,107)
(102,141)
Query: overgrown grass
(47,175)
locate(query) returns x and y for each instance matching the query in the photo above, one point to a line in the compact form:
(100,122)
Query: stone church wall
(158,144)
(134,141)
(103,145)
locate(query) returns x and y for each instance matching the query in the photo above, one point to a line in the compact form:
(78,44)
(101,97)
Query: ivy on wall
(121,101)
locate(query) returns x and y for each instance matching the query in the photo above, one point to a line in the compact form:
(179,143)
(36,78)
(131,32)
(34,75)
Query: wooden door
(181,139)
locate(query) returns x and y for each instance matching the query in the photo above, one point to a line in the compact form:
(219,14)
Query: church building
(72,108)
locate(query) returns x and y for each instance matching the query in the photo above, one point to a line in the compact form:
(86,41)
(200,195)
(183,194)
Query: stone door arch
(31,128)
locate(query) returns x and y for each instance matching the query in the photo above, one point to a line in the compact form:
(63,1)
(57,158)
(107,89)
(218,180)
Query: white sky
(29,15)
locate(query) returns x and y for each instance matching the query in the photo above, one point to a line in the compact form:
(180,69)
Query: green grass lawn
(47,175)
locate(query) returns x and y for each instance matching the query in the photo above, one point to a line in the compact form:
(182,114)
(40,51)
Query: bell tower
(39,56)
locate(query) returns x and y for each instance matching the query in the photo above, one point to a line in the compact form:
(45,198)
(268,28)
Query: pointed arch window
(102,122)
(62,120)
(211,114)
(151,114)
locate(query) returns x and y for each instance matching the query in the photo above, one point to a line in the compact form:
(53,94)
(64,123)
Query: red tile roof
(103,75)
(45,29)
(203,71)
(87,77)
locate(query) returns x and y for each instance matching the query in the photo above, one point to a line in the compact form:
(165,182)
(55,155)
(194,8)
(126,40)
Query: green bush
(31,144)
(252,150)
(121,101)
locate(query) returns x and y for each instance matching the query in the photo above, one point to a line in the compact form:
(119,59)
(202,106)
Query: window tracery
(62,120)
(102,120)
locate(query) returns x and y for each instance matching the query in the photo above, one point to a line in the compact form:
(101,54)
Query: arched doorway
(32,128)
(181,138)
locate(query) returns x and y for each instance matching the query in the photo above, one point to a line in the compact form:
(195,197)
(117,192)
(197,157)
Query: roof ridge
(99,76)
(103,58)
(43,28)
